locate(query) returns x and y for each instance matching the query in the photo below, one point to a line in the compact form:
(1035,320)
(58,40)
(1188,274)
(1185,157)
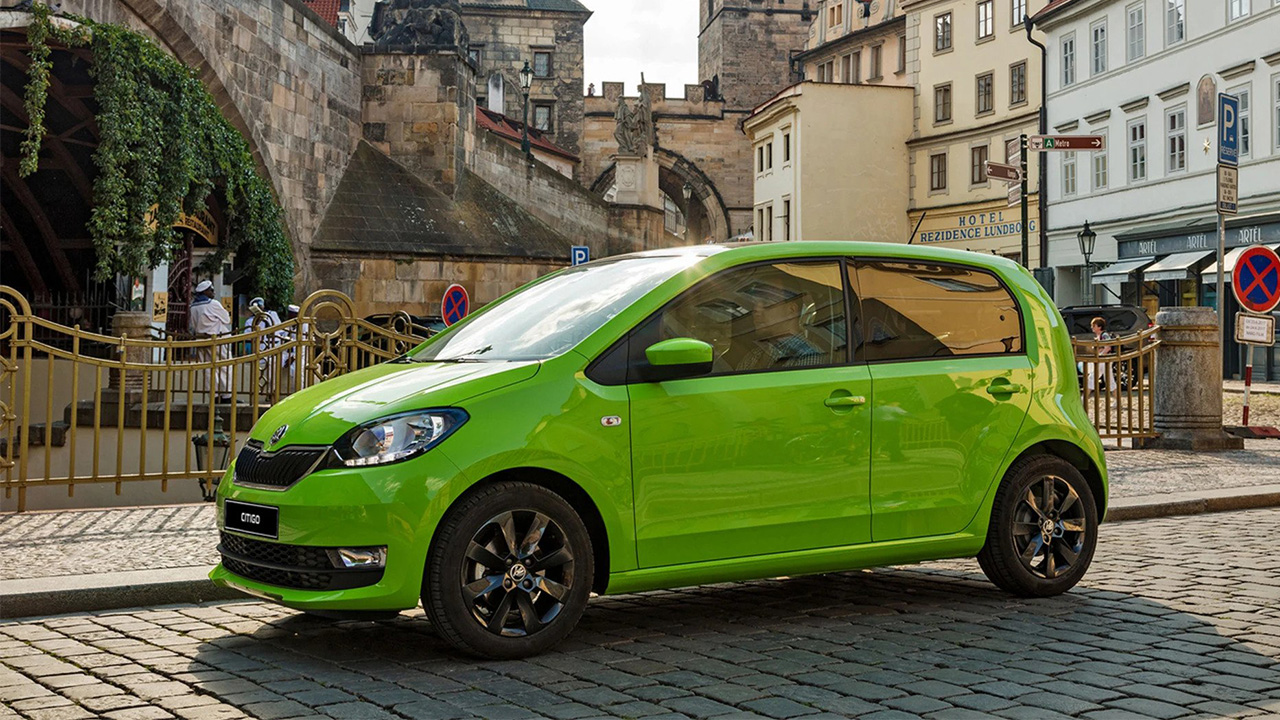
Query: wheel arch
(573,493)
(1079,459)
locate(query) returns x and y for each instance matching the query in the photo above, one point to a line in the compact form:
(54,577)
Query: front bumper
(395,506)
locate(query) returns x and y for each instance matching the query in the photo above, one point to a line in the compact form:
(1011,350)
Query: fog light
(361,557)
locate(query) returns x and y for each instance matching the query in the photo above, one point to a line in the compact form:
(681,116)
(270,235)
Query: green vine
(163,148)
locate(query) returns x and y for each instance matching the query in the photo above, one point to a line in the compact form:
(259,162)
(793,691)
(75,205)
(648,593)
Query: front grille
(303,567)
(278,469)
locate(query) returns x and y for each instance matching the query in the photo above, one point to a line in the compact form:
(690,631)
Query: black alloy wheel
(517,572)
(1043,528)
(509,571)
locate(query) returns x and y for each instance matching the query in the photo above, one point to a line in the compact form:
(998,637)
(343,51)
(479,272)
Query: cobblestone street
(1178,617)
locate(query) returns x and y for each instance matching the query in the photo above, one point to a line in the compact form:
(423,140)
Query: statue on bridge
(635,131)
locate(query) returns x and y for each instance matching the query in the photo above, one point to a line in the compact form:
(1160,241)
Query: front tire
(1043,531)
(509,572)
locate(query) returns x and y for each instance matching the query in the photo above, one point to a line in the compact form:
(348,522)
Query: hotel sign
(1207,239)
(975,226)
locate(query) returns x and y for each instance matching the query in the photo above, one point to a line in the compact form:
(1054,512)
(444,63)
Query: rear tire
(1044,528)
(509,572)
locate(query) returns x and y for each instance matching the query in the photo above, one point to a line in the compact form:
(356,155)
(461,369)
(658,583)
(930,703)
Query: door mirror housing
(676,358)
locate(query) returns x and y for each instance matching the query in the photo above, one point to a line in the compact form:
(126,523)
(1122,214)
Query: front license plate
(251,518)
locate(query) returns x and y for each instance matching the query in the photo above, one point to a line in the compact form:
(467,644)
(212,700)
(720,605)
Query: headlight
(398,437)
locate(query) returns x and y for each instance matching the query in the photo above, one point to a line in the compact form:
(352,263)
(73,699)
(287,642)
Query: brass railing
(1117,384)
(141,409)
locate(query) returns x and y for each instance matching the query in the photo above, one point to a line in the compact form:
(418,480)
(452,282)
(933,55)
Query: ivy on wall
(163,148)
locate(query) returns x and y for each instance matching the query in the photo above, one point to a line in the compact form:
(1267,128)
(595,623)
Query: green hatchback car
(672,418)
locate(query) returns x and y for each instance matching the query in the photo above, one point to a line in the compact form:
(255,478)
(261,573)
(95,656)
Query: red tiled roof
(326,9)
(1053,7)
(512,129)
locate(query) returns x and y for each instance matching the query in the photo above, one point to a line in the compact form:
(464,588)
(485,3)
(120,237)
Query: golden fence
(78,407)
(1117,384)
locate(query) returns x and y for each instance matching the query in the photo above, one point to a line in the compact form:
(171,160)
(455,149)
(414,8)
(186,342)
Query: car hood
(320,414)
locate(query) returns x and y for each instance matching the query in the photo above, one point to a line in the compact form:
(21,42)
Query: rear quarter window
(915,311)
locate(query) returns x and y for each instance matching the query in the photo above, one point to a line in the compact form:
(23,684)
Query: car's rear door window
(915,310)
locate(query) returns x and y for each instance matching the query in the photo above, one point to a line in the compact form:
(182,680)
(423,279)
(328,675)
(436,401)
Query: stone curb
(144,588)
(108,591)
(1144,507)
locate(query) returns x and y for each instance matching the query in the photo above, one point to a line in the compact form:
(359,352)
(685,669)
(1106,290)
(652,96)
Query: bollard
(1188,398)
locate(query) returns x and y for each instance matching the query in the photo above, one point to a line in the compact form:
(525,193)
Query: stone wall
(419,111)
(748,44)
(286,79)
(505,38)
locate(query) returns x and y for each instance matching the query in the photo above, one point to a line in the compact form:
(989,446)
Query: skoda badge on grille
(279,433)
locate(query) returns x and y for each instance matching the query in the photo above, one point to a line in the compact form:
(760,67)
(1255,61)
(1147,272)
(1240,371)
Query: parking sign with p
(579,254)
(1228,129)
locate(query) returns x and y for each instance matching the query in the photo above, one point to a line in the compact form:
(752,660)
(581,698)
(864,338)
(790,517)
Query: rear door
(952,384)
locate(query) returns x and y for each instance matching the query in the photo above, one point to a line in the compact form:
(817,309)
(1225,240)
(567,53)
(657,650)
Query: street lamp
(1087,238)
(687,192)
(526,82)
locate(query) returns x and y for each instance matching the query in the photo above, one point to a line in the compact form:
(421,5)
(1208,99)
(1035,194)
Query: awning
(1210,274)
(1121,271)
(1176,267)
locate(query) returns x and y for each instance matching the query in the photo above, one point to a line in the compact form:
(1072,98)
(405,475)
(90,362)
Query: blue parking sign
(1228,129)
(580,254)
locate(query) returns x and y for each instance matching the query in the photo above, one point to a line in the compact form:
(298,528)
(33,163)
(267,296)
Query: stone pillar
(637,181)
(131,324)
(1188,382)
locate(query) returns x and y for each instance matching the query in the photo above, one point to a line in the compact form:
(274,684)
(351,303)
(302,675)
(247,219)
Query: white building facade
(1146,74)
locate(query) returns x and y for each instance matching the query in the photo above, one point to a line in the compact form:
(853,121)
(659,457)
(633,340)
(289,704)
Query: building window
(542,117)
(1276,126)
(1246,134)
(760,158)
(846,69)
(542,63)
(978,165)
(1237,9)
(786,220)
(937,172)
(835,15)
(475,52)
(1138,150)
(875,63)
(768,223)
(768,156)
(786,147)
(1069,60)
(942,32)
(986,19)
(942,103)
(986,96)
(826,71)
(1100,166)
(1018,11)
(1137,28)
(673,219)
(1098,47)
(1068,174)
(1176,132)
(902,53)
(1018,83)
(1175,28)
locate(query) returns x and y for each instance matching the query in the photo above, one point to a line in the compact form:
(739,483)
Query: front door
(767,453)
(952,387)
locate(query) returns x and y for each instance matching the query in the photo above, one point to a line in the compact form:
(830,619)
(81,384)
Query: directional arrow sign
(1043,143)
(999,171)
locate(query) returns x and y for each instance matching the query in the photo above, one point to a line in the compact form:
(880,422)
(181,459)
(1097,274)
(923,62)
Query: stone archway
(705,211)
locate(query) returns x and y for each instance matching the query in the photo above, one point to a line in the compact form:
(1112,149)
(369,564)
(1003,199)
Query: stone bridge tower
(747,45)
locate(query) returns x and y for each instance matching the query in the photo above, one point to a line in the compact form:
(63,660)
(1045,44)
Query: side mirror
(675,359)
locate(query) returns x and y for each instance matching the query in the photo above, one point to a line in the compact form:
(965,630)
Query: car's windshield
(546,319)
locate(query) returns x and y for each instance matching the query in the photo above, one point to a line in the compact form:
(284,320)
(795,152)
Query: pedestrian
(1102,369)
(210,320)
(259,322)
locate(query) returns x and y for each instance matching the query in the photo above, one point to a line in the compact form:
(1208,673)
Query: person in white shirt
(209,320)
(259,320)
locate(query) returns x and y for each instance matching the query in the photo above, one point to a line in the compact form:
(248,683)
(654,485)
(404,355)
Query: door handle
(845,401)
(1004,389)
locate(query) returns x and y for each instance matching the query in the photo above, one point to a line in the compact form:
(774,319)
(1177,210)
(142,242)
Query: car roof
(759,250)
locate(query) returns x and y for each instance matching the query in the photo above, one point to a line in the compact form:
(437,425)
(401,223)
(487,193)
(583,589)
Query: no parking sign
(455,305)
(1256,279)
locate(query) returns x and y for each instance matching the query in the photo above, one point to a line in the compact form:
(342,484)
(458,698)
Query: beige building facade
(816,180)
(977,85)
(851,45)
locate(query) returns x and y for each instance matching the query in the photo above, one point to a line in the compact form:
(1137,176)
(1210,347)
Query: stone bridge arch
(705,203)
(288,81)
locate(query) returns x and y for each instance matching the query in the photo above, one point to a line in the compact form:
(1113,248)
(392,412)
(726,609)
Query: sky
(658,37)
